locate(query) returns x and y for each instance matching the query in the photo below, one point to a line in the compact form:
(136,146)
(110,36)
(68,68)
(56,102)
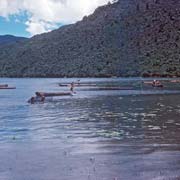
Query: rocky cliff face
(127,38)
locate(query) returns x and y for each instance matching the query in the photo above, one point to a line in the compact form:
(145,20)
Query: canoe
(45,94)
(151,83)
(175,81)
(75,84)
(3,85)
(6,86)
(159,86)
(2,88)
(148,82)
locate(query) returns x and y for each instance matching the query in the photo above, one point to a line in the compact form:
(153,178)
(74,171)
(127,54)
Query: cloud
(45,15)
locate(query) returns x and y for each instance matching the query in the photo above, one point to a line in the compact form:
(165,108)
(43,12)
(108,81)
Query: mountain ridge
(126,38)
(7,39)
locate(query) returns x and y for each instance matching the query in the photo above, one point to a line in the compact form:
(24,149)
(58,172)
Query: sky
(30,17)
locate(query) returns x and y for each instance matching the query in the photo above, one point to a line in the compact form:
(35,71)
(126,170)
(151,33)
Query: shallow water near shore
(127,134)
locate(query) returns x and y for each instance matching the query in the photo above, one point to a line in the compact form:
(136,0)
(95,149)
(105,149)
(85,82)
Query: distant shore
(104,76)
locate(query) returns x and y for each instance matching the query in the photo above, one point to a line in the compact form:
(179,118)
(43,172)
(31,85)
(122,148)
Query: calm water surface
(142,114)
(92,121)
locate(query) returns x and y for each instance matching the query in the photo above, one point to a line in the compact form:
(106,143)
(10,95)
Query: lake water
(122,134)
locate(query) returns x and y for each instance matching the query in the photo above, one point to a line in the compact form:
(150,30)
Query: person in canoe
(72,87)
(35,99)
(156,83)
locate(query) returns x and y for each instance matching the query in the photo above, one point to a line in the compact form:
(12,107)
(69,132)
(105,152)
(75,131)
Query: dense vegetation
(126,38)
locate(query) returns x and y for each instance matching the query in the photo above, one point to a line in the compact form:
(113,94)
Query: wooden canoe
(49,94)
(158,86)
(76,84)
(3,85)
(175,81)
(2,88)
(154,85)
(148,82)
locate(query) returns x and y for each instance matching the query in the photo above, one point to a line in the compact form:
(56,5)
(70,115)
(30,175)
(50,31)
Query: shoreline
(90,77)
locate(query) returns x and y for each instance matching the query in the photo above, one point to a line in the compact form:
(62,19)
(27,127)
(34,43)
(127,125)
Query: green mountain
(126,38)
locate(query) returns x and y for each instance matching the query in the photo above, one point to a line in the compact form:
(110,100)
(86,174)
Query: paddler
(36,99)
(156,83)
(32,100)
(72,87)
